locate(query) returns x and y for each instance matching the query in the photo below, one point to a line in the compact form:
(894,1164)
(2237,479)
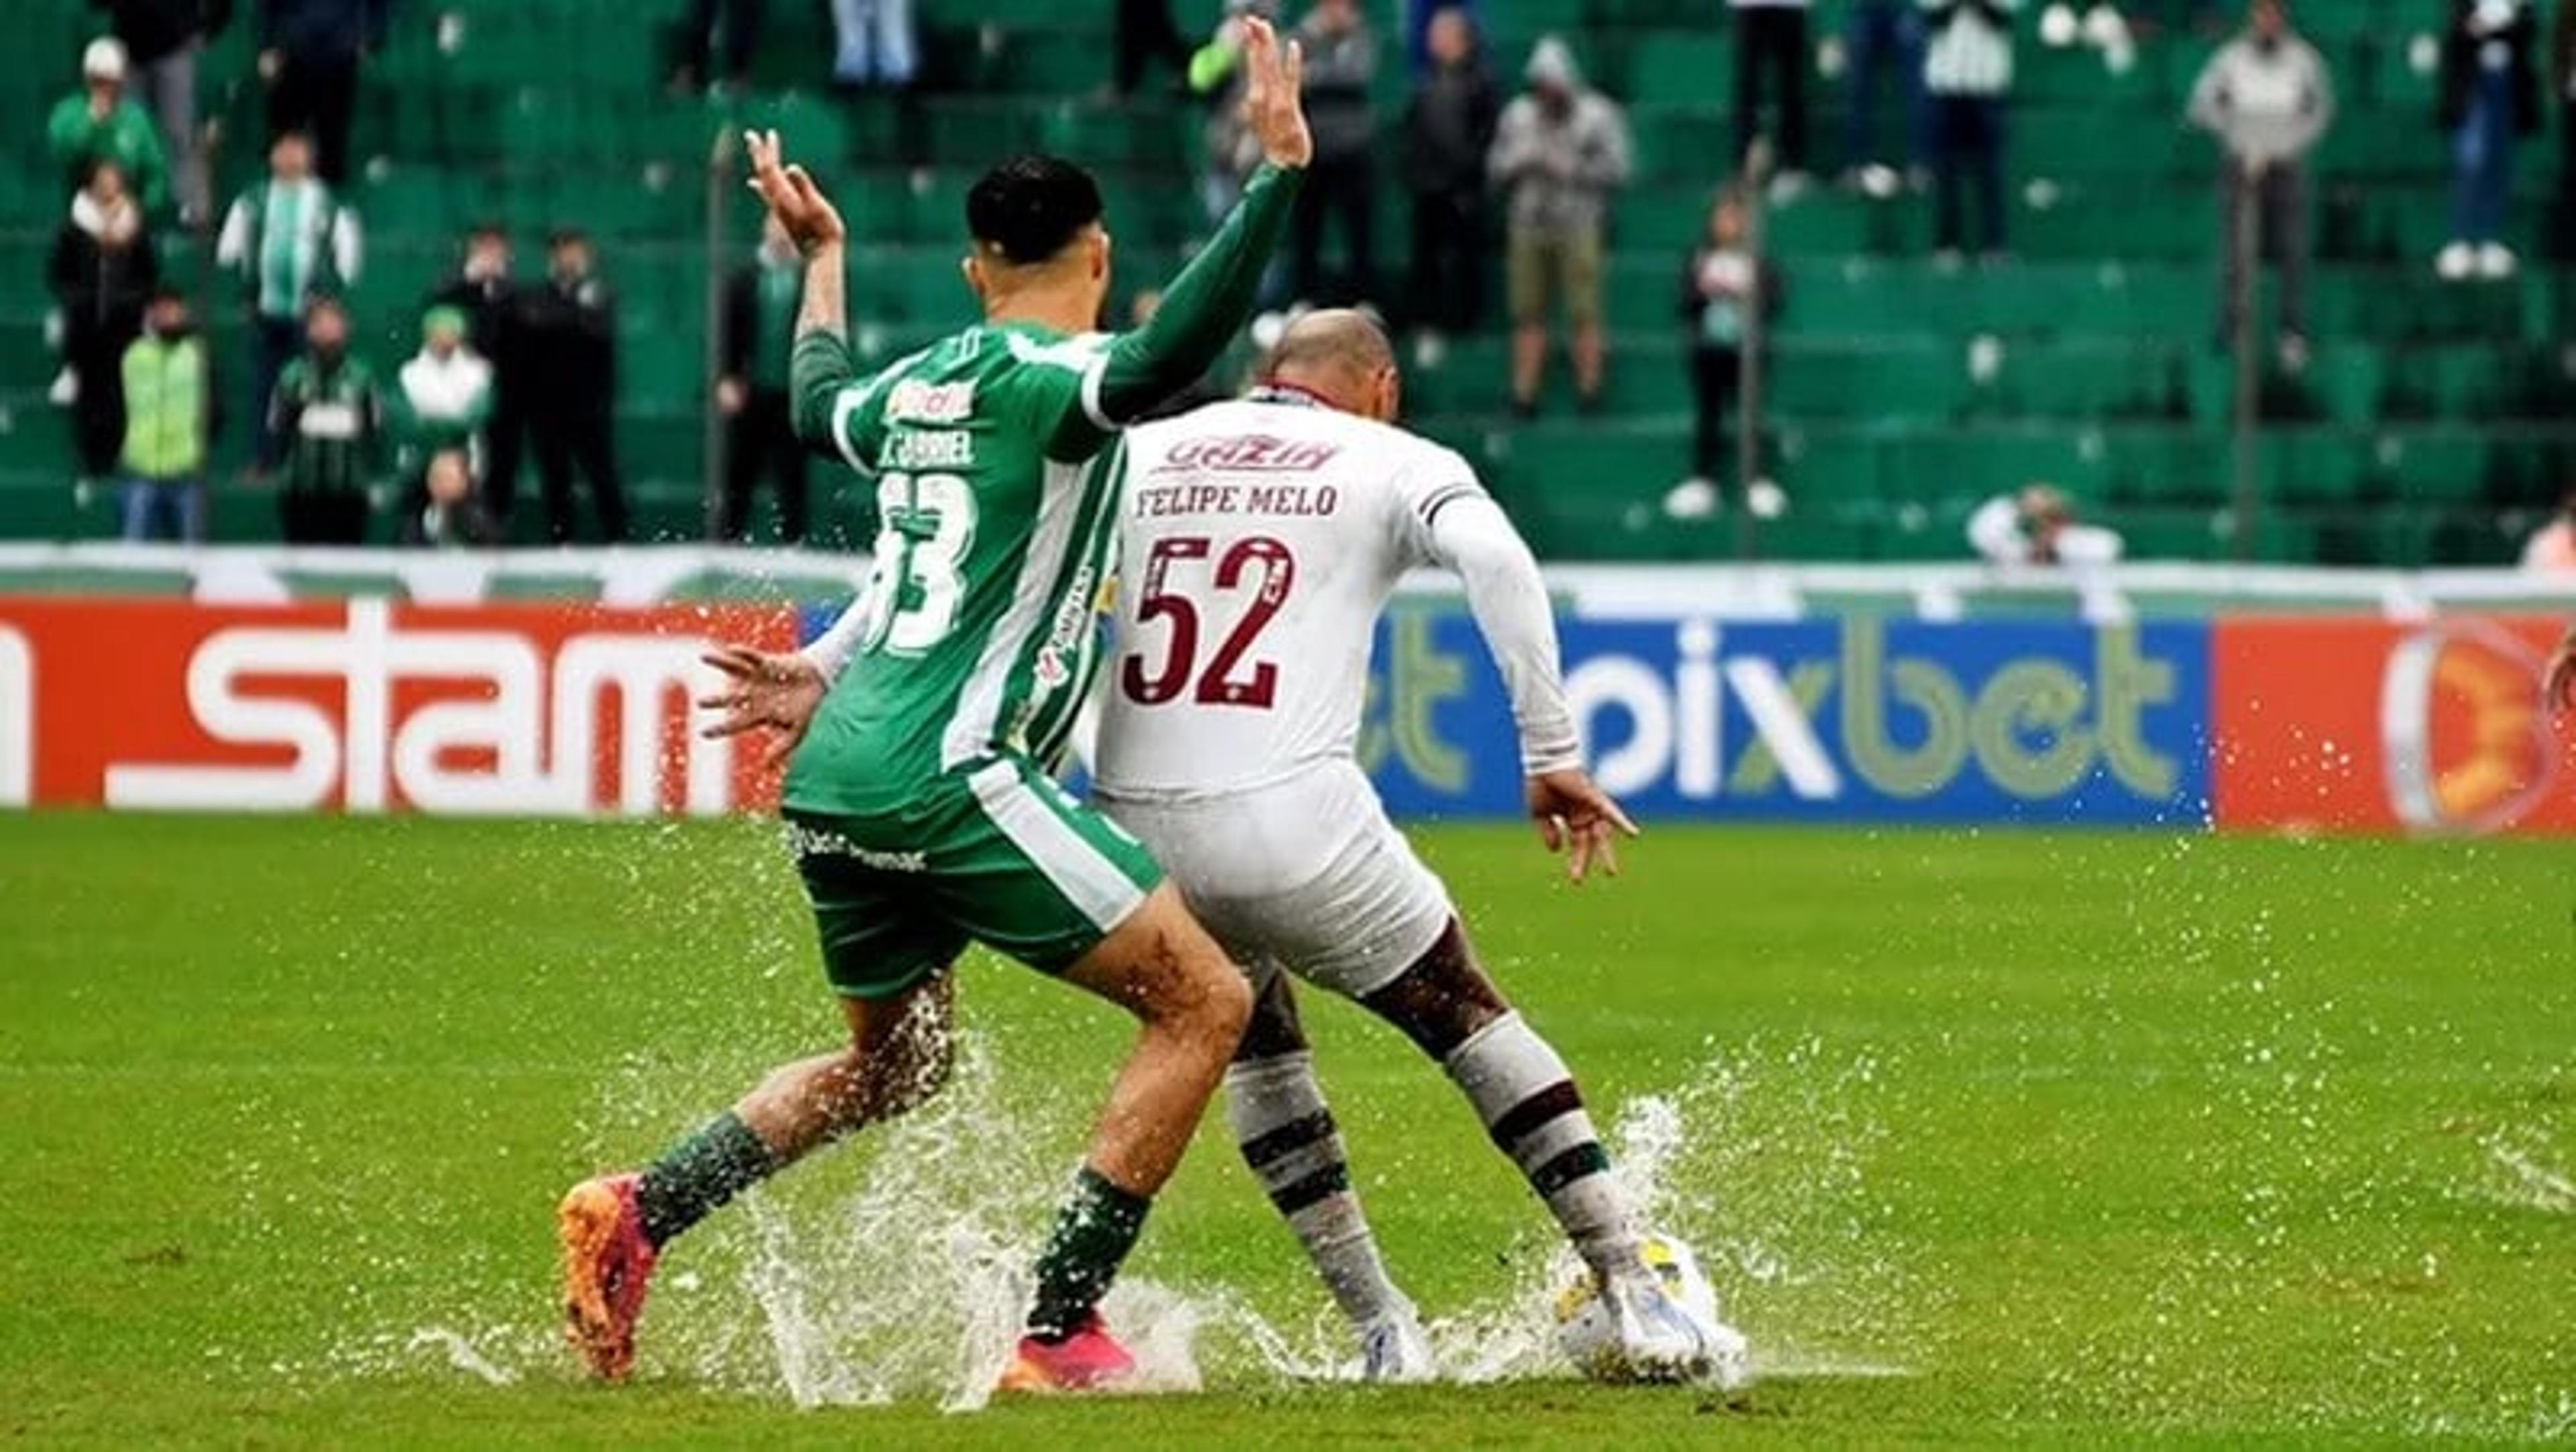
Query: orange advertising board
(2372,726)
(366,706)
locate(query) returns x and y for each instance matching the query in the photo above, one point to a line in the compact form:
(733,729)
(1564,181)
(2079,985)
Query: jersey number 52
(1260,564)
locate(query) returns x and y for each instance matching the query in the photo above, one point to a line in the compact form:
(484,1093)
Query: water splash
(901,1276)
(2519,1174)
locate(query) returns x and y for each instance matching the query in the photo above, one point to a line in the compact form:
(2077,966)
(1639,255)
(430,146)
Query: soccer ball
(1589,1332)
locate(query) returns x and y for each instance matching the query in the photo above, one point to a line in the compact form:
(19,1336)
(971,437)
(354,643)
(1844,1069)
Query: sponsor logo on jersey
(1248,454)
(913,401)
(930,449)
(1073,620)
(804,842)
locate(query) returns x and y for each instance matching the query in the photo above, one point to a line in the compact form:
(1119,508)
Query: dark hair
(487,228)
(170,292)
(1032,207)
(567,237)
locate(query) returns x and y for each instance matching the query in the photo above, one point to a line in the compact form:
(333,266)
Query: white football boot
(1394,1350)
(1661,1338)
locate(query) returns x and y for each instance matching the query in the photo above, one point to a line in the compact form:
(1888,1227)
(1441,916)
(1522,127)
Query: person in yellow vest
(171,416)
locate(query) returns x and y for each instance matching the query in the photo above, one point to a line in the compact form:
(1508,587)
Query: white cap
(1551,63)
(104,60)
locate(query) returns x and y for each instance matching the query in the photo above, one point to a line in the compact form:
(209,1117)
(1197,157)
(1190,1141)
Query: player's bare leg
(1288,1137)
(1591,355)
(613,1228)
(1529,363)
(1192,1003)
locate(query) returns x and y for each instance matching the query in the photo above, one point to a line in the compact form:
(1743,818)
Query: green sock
(1093,1233)
(700,1173)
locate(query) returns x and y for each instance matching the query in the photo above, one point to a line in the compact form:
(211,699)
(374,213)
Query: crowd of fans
(1518,177)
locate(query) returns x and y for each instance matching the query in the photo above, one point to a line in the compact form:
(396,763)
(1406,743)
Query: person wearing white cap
(100,122)
(162,40)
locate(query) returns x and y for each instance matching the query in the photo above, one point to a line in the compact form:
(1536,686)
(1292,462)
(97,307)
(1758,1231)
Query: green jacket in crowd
(125,136)
(328,412)
(170,410)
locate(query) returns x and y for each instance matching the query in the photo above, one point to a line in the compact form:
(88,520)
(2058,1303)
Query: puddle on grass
(910,1285)
(2523,1172)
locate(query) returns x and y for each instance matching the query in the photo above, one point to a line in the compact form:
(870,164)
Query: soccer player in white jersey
(1261,539)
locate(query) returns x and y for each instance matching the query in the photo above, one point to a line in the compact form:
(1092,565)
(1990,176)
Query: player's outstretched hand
(2560,689)
(1273,94)
(791,196)
(1577,818)
(764,692)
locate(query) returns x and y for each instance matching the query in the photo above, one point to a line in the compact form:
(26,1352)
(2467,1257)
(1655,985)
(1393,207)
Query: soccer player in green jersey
(919,804)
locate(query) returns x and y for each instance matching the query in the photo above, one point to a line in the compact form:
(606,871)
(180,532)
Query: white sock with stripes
(1288,1138)
(1527,1099)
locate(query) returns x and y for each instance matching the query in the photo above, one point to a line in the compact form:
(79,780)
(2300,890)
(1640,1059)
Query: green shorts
(996,853)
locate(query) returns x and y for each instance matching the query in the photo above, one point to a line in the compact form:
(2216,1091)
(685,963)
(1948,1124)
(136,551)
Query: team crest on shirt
(1248,453)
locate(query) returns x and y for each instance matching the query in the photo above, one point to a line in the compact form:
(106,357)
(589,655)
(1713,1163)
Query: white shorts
(1306,875)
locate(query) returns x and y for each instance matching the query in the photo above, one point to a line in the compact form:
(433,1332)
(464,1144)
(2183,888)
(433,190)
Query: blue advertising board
(1834,720)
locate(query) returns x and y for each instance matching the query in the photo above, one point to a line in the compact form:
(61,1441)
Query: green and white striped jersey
(996,497)
(997,459)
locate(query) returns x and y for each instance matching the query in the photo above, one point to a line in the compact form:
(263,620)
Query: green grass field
(2067,1139)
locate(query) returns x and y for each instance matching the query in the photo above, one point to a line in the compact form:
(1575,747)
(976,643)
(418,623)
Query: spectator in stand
(718,41)
(2490,97)
(171,419)
(291,242)
(759,334)
(1145,35)
(449,516)
(2552,547)
(1448,129)
(162,40)
(2562,76)
(572,402)
(327,409)
(1419,17)
(445,396)
(310,52)
(1967,73)
(2038,527)
(1341,182)
(1724,287)
(1883,40)
(99,122)
(873,43)
(1771,42)
(103,274)
(1560,150)
(490,297)
(2268,99)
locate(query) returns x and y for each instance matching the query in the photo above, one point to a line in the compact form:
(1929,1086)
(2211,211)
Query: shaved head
(1342,355)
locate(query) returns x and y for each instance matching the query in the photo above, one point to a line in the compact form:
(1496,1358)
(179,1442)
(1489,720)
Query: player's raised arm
(820,366)
(1213,296)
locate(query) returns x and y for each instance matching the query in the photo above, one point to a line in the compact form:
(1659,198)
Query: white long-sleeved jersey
(1260,542)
